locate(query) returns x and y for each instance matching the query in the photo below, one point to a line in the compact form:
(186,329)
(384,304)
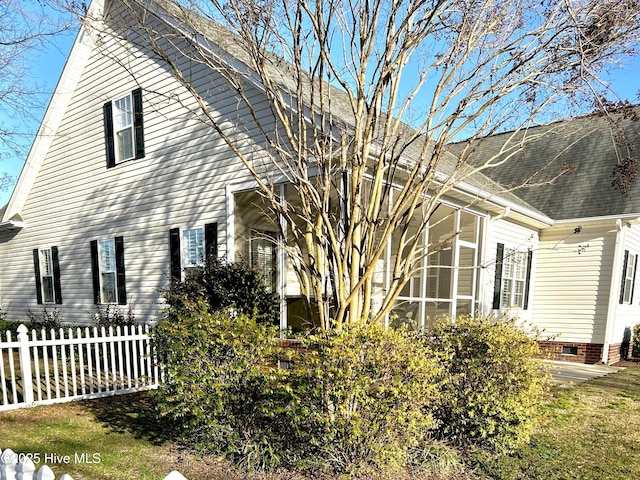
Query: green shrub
(353,402)
(493,383)
(362,397)
(47,319)
(12,327)
(111,316)
(222,383)
(636,341)
(225,285)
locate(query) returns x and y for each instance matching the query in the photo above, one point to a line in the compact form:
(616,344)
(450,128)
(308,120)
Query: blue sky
(44,67)
(46,64)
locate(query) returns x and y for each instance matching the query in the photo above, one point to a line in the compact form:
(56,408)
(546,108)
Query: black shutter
(210,240)
(107,111)
(95,270)
(527,284)
(633,285)
(497,285)
(36,267)
(57,287)
(138,122)
(120,277)
(624,275)
(174,247)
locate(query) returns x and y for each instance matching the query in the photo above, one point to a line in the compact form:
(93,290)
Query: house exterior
(125,188)
(585,297)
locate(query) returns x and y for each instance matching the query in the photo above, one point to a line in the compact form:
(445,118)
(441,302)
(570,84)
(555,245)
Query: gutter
(632,219)
(11,225)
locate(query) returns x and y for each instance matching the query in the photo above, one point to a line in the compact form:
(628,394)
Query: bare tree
(363,99)
(24,27)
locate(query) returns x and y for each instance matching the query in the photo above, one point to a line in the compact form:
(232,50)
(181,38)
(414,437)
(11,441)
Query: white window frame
(629,278)
(119,128)
(514,274)
(46,272)
(105,270)
(186,242)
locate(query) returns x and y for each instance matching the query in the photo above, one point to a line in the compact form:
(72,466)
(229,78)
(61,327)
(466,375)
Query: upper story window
(628,277)
(47,271)
(124,129)
(512,278)
(107,264)
(189,248)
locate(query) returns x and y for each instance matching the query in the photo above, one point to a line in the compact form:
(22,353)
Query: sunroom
(444,282)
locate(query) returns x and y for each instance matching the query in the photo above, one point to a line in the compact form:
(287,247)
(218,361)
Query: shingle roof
(229,48)
(586,149)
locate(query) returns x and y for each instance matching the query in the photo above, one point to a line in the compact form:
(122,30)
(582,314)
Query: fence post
(25,364)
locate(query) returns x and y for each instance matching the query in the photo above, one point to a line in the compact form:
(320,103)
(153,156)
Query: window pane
(436,311)
(108,271)
(124,140)
(407,314)
(520,265)
(468,227)
(47,290)
(439,274)
(518,296)
(193,247)
(46,265)
(628,282)
(122,113)
(123,126)
(507,289)
(108,287)
(466,271)
(107,256)
(263,257)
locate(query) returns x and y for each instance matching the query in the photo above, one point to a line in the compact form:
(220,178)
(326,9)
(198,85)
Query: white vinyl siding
(574,274)
(180,181)
(628,313)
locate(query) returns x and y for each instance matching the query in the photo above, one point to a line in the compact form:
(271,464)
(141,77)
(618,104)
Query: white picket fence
(15,466)
(71,364)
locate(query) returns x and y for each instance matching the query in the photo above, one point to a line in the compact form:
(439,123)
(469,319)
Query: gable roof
(225,46)
(584,151)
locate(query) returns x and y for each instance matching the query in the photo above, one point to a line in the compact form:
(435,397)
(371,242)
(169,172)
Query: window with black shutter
(189,248)
(47,274)
(124,128)
(108,271)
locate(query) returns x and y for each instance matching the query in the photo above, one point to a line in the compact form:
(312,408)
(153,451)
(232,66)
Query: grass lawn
(590,431)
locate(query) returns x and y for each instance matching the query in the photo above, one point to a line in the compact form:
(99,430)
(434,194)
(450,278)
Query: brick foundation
(589,353)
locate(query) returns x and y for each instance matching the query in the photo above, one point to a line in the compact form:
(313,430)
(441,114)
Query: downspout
(614,294)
